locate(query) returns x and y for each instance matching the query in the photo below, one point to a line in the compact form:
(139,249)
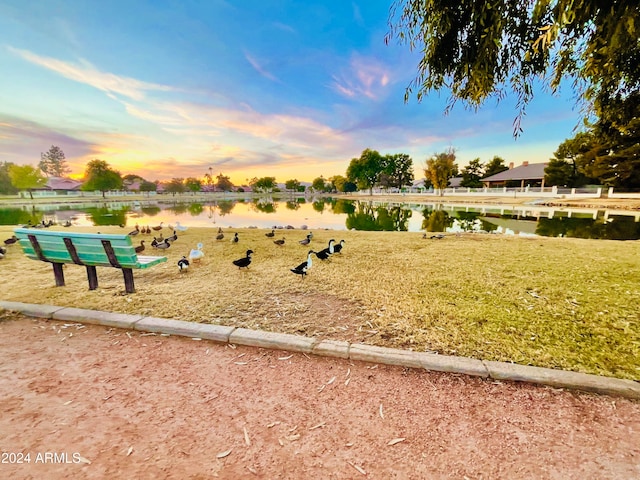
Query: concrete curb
(339,349)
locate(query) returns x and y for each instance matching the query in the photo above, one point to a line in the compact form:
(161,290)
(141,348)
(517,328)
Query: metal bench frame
(30,241)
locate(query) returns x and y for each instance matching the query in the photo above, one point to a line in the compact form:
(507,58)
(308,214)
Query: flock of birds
(196,254)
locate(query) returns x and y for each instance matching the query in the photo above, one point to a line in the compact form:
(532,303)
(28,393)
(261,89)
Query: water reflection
(340,213)
(378,218)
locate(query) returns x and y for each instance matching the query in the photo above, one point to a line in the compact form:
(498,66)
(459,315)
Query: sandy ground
(118,404)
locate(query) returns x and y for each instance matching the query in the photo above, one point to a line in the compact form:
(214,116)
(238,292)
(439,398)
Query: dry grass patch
(553,302)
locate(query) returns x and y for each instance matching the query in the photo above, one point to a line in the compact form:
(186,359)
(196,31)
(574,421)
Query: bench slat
(88,247)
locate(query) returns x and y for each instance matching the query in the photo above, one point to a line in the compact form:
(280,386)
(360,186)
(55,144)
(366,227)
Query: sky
(289,89)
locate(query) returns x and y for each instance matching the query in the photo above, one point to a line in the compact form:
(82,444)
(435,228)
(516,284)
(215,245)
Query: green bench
(90,250)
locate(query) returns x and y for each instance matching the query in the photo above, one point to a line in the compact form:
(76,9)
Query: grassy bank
(551,302)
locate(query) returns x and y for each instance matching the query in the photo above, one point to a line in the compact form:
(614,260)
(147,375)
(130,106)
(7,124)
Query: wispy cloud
(365,77)
(259,68)
(85,72)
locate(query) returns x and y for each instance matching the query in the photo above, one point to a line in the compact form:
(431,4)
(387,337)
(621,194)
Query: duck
(338,248)
(196,254)
(279,242)
(158,227)
(245,261)
(140,248)
(67,224)
(220,235)
(235,238)
(135,232)
(304,267)
(183,264)
(180,228)
(11,241)
(3,251)
(437,236)
(172,238)
(147,231)
(327,252)
(270,235)
(163,245)
(306,241)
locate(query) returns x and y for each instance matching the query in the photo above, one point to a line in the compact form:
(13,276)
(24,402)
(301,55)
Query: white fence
(611,194)
(507,192)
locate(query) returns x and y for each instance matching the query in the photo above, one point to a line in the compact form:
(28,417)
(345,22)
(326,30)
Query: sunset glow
(278,89)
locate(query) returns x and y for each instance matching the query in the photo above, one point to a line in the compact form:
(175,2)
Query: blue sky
(290,89)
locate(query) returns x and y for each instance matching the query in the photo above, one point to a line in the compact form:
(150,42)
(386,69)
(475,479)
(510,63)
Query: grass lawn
(551,302)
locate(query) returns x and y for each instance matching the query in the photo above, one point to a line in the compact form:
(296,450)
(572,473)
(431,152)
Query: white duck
(180,228)
(196,254)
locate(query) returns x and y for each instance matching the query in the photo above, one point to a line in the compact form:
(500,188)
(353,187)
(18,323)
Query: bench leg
(128,280)
(58,274)
(93,277)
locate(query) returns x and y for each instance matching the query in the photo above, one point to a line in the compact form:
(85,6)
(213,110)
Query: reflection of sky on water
(339,215)
(241,216)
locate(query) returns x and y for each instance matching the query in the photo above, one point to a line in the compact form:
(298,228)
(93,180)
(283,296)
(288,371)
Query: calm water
(340,214)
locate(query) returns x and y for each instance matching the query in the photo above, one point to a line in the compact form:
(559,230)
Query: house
(525,175)
(62,185)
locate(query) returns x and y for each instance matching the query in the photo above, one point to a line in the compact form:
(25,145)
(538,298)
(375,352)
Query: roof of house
(531,171)
(61,183)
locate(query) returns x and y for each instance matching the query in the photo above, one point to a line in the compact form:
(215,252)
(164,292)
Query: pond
(340,214)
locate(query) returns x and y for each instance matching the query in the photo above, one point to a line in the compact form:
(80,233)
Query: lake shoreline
(591,203)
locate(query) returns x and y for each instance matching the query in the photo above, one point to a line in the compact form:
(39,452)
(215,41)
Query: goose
(135,232)
(304,267)
(245,261)
(196,254)
(180,228)
(158,227)
(306,241)
(140,248)
(220,235)
(183,264)
(235,238)
(270,235)
(338,248)
(279,242)
(327,252)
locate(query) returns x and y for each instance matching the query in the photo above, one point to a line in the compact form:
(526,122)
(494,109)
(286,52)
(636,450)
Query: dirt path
(148,406)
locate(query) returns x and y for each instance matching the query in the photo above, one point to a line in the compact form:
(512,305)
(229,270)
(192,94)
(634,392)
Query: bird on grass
(183,264)
(220,235)
(245,261)
(196,254)
(324,254)
(306,241)
(235,238)
(67,224)
(3,252)
(172,238)
(11,241)
(158,227)
(438,236)
(270,235)
(338,248)
(140,248)
(180,228)
(279,242)
(304,267)
(163,245)
(135,232)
